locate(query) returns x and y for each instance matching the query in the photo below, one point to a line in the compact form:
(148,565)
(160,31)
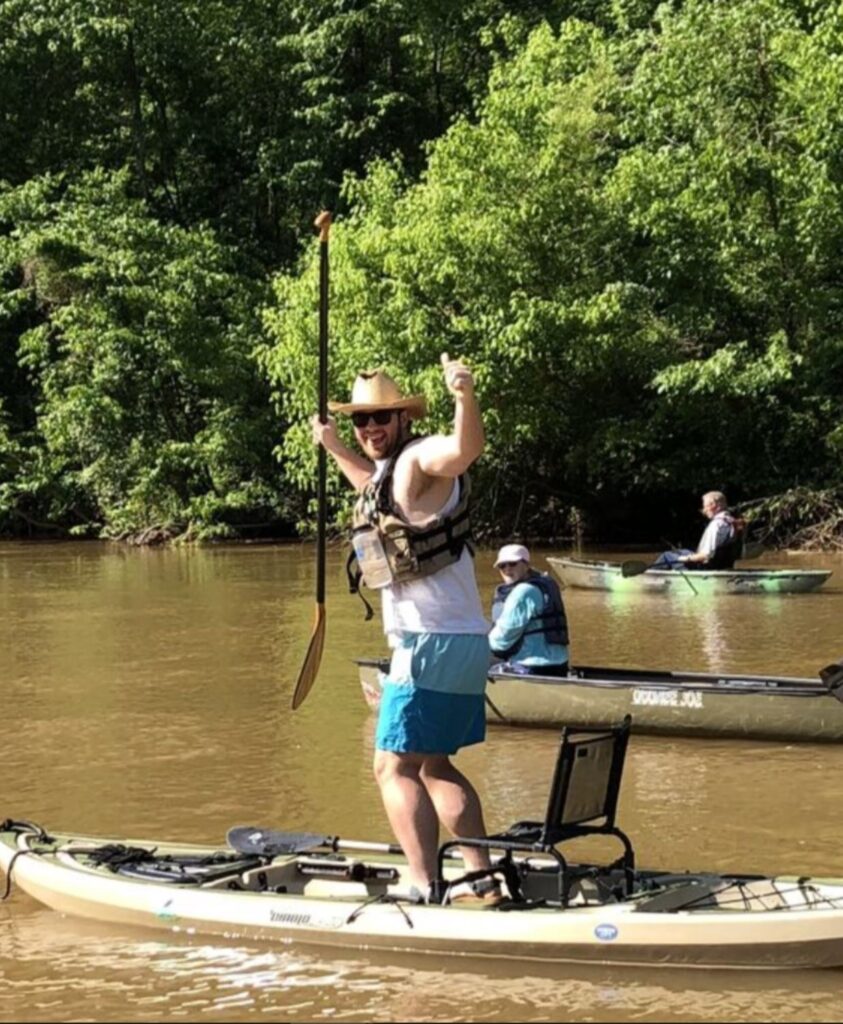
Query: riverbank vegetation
(626,215)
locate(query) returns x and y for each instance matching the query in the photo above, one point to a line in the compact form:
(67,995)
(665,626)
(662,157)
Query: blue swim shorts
(433,700)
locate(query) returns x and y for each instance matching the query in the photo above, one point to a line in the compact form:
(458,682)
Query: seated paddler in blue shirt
(530,631)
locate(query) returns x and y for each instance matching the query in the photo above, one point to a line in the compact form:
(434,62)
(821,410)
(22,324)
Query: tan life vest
(390,550)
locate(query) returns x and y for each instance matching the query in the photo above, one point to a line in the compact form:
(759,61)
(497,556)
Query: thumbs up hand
(458,377)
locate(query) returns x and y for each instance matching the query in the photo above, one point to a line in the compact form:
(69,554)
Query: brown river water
(146,693)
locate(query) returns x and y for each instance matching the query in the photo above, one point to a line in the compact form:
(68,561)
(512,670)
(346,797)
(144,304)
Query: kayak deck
(334,899)
(318,889)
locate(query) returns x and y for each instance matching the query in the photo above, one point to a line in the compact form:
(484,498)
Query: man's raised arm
(452,454)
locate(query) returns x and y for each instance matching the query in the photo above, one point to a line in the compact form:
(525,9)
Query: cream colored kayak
(352,899)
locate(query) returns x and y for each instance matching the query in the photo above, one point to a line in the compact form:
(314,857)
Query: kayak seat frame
(832,677)
(583,801)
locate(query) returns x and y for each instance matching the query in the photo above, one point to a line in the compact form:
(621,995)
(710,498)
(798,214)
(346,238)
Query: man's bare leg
(457,805)
(411,812)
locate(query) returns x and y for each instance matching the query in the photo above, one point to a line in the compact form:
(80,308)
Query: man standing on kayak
(411,539)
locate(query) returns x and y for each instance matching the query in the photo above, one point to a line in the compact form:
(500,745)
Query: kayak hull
(342,914)
(661,703)
(596,575)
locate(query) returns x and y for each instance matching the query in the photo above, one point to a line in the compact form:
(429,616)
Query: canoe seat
(583,801)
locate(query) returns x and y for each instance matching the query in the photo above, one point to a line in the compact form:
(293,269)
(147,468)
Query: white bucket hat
(512,553)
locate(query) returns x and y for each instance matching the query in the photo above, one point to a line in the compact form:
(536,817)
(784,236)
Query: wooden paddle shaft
(323,224)
(313,658)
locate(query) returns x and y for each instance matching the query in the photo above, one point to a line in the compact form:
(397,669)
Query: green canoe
(595,575)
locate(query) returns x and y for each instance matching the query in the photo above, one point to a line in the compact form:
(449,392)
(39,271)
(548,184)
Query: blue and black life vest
(552,622)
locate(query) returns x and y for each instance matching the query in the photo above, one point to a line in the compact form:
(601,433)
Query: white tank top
(446,602)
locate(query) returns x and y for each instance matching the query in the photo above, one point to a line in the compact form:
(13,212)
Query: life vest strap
(355,576)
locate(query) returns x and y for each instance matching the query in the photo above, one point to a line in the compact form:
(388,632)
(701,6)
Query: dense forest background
(625,214)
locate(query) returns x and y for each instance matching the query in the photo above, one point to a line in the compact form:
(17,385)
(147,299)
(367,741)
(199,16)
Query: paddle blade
(312,660)
(266,842)
(633,568)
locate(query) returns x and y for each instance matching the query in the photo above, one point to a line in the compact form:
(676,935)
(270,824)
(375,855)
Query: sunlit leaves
(138,350)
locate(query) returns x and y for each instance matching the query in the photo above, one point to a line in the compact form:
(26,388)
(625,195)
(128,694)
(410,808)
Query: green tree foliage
(507,253)
(732,186)
(634,244)
(626,215)
(143,406)
(245,113)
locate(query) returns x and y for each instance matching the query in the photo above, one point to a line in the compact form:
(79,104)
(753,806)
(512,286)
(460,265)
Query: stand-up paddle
(313,658)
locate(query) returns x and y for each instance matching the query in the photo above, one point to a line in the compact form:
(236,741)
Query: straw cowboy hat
(373,390)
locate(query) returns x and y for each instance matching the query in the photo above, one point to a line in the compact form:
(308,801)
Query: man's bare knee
(388,765)
(437,766)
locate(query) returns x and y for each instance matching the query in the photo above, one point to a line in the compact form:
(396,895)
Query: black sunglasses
(380,416)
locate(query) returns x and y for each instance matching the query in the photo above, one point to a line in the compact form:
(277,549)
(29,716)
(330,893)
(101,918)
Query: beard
(391,448)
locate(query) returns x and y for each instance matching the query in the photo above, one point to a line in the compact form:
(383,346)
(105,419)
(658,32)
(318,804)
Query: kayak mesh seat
(583,801)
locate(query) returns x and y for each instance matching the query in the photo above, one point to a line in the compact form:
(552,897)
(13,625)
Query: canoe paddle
(313,658)
(634,568)
(752,549)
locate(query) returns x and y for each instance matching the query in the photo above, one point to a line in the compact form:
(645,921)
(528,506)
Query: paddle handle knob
(323,225)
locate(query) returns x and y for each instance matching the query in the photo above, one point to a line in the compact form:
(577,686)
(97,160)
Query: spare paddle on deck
(263,842)
(313,658)
(267,842)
